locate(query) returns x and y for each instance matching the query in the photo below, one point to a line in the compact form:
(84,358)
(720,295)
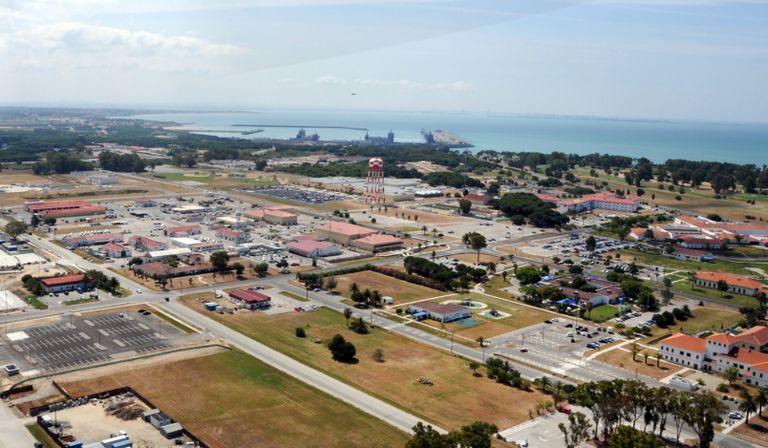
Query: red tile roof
(308,245)
(756,360)
(346,229)
(756,335)
(731,279)
(723,338)
(685,342)
(249,296)
(63,280)
(380,240)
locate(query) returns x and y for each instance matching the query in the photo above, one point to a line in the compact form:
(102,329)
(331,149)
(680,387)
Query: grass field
(701,201)
(35,303)
(456,398)
(399,290)
(673,263)
(709,317)
(738,299)
(471,258)
(293,296)
(521,316)
(496,285)
(602,313)
(231,399)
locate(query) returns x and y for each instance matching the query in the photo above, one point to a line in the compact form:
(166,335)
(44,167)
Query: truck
(682,383)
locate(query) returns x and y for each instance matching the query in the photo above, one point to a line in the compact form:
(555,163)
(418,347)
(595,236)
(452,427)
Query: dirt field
(456,398)
(399,290)
(623,359)
(756,431)
(231,399)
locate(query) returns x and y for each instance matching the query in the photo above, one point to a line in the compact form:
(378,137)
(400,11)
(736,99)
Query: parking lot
(303,195)
(81,340)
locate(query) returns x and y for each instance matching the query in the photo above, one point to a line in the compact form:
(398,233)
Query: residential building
(145,244)
(440,312)
(682,253)
(716,353)
(249,299)
(378,243)
(63,283)
(701,242)
(603,200)
(737,284)
(311,248)
(112,250)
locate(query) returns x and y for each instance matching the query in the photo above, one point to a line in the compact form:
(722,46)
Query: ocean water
(657,140)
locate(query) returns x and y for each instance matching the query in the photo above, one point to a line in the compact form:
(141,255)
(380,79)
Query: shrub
(341,350)
(722,387)
(300,333)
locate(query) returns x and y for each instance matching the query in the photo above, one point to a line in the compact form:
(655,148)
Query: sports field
(456,398)
(231,399)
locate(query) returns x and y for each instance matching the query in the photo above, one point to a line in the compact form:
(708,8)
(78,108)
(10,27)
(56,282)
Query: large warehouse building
(313,249)
(343,232)
(63,209)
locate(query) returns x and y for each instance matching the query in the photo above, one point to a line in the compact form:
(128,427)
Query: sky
(656,59)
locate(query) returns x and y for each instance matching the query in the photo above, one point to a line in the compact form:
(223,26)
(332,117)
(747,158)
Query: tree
(762,400)
(359,326)
(378,355)
(49,221)
(590,243)
(282,264)
(474,435)
(15,228)
(424,436)
(219,260)
(748,403)
(731,374)
(628,437)
(635,351)
(702,414)
(261,269)
(477,242)
(300,332)
(528,275)
(239,269)
(473,366)
(135,260)
(341,350)
(722,286)
(347,314)
(577,431)
(465,206)
(331,283)
(623,232)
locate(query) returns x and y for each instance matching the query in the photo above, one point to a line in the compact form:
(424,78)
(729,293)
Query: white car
(523,443)
(735,416)
(138,290)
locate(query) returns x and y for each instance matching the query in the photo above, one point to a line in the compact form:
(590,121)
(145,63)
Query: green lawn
(672,263)
(738,299)
(35,303)
(293,296)
(40,435)
(602,313)
(78,301)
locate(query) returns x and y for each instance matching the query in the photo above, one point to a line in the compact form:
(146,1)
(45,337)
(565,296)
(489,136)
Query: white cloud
(76,44)
(455,86)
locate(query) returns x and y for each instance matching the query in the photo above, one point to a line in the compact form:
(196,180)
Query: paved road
(13,434)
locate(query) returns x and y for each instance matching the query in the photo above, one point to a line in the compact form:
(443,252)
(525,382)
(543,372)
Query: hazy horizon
(684,60)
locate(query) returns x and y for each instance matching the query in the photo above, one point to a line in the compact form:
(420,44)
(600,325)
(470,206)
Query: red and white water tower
(374,184)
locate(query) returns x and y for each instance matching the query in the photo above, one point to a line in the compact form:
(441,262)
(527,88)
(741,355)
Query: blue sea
(658,140)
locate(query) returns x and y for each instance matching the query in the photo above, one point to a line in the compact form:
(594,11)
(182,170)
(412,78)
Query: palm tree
(353,288)
(645,356)
(347,314)
(544,384)
(635,351)
(762,400)
(748,403)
